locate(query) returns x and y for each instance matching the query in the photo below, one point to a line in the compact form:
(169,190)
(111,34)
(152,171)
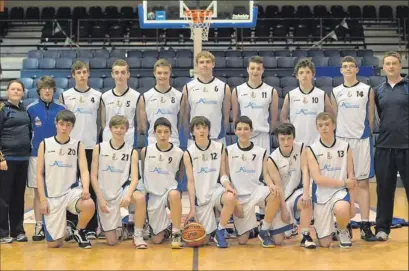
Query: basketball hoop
(199,21)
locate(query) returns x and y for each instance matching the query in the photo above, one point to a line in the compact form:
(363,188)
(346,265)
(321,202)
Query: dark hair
(285,129)
(15,81)
(162,122)
(255,59)
(304,63)
(45,82)
(243,119)
(65,115)
(199,120)
(350,59)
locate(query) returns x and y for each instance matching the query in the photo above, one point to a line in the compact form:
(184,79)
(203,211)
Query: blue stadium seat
(151,53)
(220,62)
(285,62)
(358,60)
(266,53)
(282,53)
(279,92)
(288,81)
(363,79)
(63,63)
(327,89)
(35,54)
(348,53)
(320,61)
(334,61)
(323,81)
(68,54)
(27,82)
(110,61)
(372,61)
(148,62)
(299,53)
(98,63)
(133,62)
(315,53)
(30,63)
(135,53)
(96,83)
(104,53)
(336,81)
(287,89)
(183,62)
(184,53)
(180,82)
(270,62)
(364,53)
(167,54)
(57,93)
(119,53)
(61,82)
(146,83)
(32,93)
(133,83)
(235,81)
(46,63)
(71,83)
(376,80)
(231,53)
(272,81)
(85,53)
(332,52)
(52,53)
(109,83)
(234,62)
(219,53)
(249,53)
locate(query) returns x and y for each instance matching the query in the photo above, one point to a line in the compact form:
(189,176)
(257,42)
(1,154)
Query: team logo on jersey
(349,105)
(119,103)
(60,164)
(305,100)
(162,100)
(161,158)
(290,172)
(204,157)
(114,157)
(37,122)
(206,170)
(245,170)
(160,171)
(113,169)
(306,112)
(206,101)
(82,100)
(329,155)
(329,168)
(253,94)
(243,157)
(61,152)
(253,105)
(349,94)
(205,89)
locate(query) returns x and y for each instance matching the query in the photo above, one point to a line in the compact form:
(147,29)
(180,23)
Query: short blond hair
(161,63)
(79,65)
(120,63)
(325,116)
(205,54)
(118,120)
(394,54)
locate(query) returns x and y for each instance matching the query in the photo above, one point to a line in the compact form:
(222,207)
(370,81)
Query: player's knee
(325,243)
(363,184)
(278,239)
(157,239)
(174,196)
(138,197)
(342,209)
(112,242)
(87,205)
(55,244)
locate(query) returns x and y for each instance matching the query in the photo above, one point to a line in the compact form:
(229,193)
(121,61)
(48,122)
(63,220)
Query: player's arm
(182,112)
(103,115)
(83,165)
(190,185)
(186,110)
(273,110)
(40,179)
(102,203)
(334,104)
(327,105)
(305,178)
(226,106)
(234,105)
(266,175)
(285,110)
(224,173)
(371,110)
(140,110)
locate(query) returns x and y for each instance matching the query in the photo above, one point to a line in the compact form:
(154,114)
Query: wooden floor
(391,255)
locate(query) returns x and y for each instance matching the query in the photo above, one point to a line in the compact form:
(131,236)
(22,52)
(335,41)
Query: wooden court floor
(391,255)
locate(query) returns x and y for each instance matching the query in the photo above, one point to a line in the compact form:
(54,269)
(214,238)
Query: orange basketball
(194,234)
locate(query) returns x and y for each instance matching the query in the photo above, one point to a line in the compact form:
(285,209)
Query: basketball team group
(321,167)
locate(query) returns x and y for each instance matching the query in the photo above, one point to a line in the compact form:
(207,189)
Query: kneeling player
(59,158)
(161,162)
(112,162)
(246,163)
(331,166)
(287,166)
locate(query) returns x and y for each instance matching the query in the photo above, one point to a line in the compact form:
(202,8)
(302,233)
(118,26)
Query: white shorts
(278,225)
(362,153)
(32,172)
(55,222)
(262,140)
(221,140)
(205,213)
(324,214)
(174,141)
(157,214)
(249,203)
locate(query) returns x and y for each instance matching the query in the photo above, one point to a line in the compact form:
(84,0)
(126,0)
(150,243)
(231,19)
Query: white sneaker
(344,238)
(138,241)
(382,236)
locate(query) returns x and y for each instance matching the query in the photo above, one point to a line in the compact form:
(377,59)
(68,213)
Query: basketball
(194,234)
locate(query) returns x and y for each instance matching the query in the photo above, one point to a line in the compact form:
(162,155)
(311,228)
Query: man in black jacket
(392,148)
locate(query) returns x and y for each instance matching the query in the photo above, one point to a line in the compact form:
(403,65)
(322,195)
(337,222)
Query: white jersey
(246,167)
(206,169)
(124,105)
(167,104)
(332,162)
(206,99)
(114,168)
(352,104)
(289,168)
(60,166)
(160,168)
(303,110)
(85,106)
(255,103)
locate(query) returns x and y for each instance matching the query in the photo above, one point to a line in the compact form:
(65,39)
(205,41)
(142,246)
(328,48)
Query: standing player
(121,100)
(331,166)
(84,102)
(59,159)
(162,101)
(304,103)
(205,165)
(246,164)
(161,162)
(209,97)
(353,103)
(113,161)
(258,101)
(42,114)
(287,166)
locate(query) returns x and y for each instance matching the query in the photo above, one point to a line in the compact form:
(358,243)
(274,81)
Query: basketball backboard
(170,14)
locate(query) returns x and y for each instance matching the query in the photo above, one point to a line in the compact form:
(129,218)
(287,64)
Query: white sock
(138,231)
(265,226)
(175,230)
(220,227)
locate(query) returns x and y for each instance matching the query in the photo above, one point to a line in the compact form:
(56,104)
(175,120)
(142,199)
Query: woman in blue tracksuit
(42,114)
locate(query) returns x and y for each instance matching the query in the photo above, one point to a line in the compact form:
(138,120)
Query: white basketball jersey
(158,104)
(246,167)
(289,168)
(160,168)
(352,117)
(333,164)
(114,168)
(60,166)
(85,106)
(124,105)
(303,110)
(255,103)
(206,169)
(206,99)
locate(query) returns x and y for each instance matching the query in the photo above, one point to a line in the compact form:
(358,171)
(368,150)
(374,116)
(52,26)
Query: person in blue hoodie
(42,114)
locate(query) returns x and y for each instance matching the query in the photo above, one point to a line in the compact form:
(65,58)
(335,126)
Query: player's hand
(275,190)
(306,201)
(351,183)
(103,205)
(285,215)
(3,165)
(85,195)
(126,200)
(44,209)
(230,189)
(191,215)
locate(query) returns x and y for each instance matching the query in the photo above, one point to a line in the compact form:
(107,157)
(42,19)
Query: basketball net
(199,22)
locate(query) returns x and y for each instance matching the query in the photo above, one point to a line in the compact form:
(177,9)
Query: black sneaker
(69,231)
(366,232)
(39,234)
(349,227)
(307,241)
(80,236)
(91,235)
